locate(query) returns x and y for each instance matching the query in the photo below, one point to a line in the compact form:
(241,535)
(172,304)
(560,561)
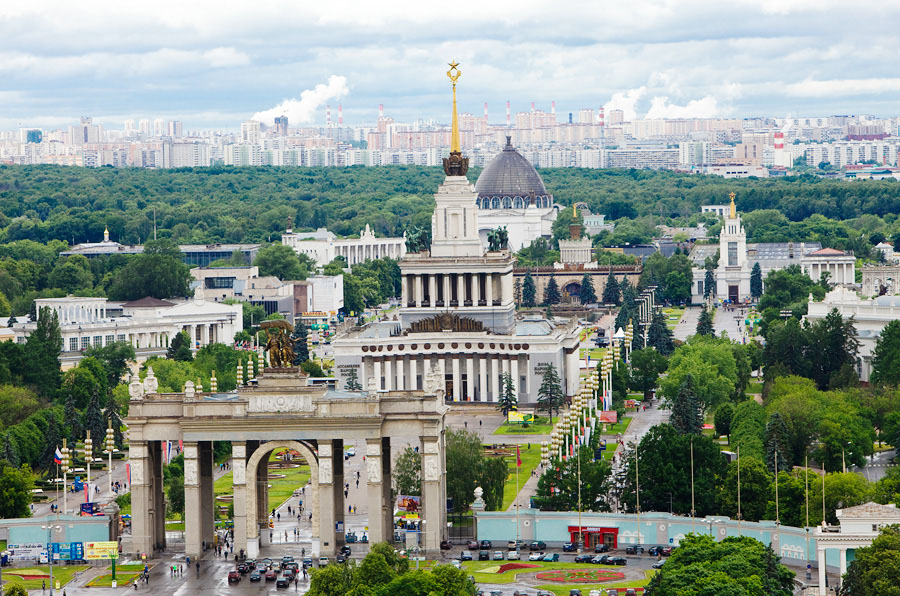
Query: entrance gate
(279,410)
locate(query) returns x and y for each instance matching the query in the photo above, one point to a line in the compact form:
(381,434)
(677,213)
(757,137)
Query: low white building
(870,316)
(323,246)
(880,279)
(147,324)
(840,266)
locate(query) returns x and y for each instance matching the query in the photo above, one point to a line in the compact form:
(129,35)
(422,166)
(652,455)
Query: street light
(88,456)
(64,464)
(50,528)
(110,447)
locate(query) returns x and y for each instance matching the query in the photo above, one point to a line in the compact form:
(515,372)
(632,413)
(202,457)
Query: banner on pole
(101,550)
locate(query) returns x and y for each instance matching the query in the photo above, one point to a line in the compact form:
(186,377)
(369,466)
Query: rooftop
(509,175)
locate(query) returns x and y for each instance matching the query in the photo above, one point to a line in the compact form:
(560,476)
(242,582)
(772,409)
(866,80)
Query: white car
(536,556)
(456,563)
(512,555)
(595,593)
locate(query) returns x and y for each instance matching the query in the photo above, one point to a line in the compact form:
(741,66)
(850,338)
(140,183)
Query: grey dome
(509,175)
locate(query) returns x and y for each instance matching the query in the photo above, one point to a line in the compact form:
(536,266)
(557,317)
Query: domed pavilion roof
(509,175)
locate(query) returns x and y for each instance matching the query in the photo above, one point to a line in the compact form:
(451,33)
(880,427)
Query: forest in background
(227,204)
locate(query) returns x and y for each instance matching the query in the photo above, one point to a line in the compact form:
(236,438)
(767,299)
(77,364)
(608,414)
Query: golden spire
(574,211)
(453,75)
(733,208)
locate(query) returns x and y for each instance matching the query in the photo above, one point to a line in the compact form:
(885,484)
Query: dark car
(537,545)
(612,592)
(601,548)
(569,547)
(284,581)
(574,592)
(634,549)
(293,566)
(600,560)
(472,545)
(583,558)
(446,545)
(666,550)
(520,593)
(486,545)
(341,559)
(617,561)
(465,556)
(271,575)
(544,593)
(483,555)
(660,550)
(234,576)
(345,550)
(630,592)
(243,568)
(290,572)
(290,559)
(255,575)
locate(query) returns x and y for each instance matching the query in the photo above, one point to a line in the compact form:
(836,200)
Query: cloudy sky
(214,64)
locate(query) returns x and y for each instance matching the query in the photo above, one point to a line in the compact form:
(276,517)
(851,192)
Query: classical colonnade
(438,290)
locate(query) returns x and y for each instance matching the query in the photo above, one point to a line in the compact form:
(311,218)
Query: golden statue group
(278,343)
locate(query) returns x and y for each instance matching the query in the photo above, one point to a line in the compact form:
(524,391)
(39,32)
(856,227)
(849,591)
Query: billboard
(101,550)
(67,551)
(27,551)
(408,503)
(608,416)
(520,416)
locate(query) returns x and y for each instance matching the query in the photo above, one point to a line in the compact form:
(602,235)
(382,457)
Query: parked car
(544,593)
(290,558)
(456,563)
(600,559)
(496,593)
(307,562)
(323,561)
(538,545)
(242,568)
(512,555)
(514,544)
(271,575)
(617,561)
(666,550)
(583,558)
(595,593)
(345,550)
(520,593)
(536,557)
(234,576)
(634,549)
(569,547)
(340,559)
(283,581)
(601,548)
(293,566)
(659,564)
(446,545)
(484,555)
(267,562)
(498,555)
(486,545)
(255,575)
(472,545)
(466,555)
(574,592)
(630,592)
(551,558)
(612,592)
(351,451)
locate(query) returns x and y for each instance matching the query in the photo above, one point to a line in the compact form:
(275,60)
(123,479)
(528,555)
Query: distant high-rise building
(159,127)
(281,126)
(175,128)
(586,116)
(616,117)
(86,132)
(251,130)
(144,127)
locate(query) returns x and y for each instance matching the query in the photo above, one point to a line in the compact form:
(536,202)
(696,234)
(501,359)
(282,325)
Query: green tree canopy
(283,262)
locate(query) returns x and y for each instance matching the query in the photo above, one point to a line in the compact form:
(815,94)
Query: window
(700,288)
(110,339)
(73,344)
(121,337)
(98,341)
(85,343)
(732,254)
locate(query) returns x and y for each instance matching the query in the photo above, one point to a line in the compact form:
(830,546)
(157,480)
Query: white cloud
(843,87)
(706,107)
(303,110)
(626,101)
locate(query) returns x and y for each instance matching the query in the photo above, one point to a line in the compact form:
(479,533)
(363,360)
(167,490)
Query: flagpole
(777,519)
(692,485)
(739,489)
(518,465)
(807,512)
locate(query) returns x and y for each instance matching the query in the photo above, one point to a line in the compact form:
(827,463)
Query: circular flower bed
(585,576)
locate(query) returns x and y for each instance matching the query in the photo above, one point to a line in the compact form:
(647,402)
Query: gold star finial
(454,72)
(733,208)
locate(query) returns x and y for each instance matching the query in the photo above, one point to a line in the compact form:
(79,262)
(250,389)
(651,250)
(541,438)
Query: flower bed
(583,576)
(510,566)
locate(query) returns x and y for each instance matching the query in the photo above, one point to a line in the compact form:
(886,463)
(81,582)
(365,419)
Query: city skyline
(213,66)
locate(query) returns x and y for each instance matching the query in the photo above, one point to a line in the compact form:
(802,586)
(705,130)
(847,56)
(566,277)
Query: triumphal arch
(275,410)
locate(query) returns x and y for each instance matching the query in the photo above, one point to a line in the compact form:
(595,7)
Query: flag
(518,458)
(128,472)
(57,456)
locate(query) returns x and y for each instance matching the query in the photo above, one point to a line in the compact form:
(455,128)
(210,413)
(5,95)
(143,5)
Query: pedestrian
(198,568)
(279,517)
(357,483)
(479,422)
(43,586)
(349,508)
(466,424)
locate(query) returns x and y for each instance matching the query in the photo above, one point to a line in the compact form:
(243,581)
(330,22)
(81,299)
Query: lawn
(125,575)
(63,574)
(673,315)
(619,427)
(280,489)
(563,589)
(542,426)
(531,458)
(596,354)
(754,387)
(473,568)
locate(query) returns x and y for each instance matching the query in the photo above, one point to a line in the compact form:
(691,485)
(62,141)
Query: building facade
(323,246)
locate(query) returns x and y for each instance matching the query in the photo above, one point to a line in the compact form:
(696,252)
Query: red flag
(518,458)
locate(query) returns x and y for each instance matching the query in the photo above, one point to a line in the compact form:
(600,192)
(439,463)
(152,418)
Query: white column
(204,335)
(843,561)
(376,367)
(514,373)
(388,374)
(504,363)
(456,378)
(419,283)
(527,376)
(482,377)
(476,288)
(821,560)
(404,290)
(489,288)
(447,293)
(413,373)
(494,373)
(402,383)
(470,378)
(461,288)
(432,289)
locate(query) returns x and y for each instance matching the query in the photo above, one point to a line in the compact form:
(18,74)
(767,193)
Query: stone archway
(572,292)
(261,454)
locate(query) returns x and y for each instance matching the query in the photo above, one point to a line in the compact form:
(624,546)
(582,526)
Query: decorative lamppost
(110,447)
(64,465)
(213,383)
(88,457)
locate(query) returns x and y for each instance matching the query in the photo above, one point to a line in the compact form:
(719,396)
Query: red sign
(586,529)
(609,417)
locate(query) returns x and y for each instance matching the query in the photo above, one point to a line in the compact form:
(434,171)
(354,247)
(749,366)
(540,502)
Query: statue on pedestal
(278,344)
